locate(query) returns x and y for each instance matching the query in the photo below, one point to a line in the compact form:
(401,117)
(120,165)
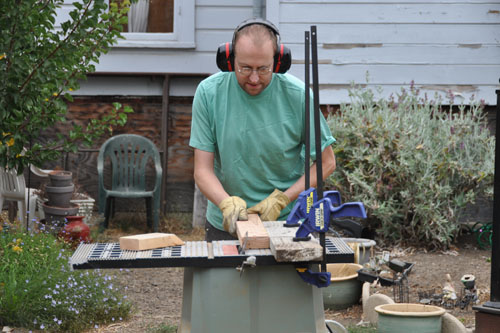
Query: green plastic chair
(129,155)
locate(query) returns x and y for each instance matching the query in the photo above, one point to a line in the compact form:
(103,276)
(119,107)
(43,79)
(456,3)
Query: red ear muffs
(282,57)
(225,57)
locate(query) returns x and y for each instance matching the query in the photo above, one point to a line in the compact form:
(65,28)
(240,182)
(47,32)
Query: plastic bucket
(362,248)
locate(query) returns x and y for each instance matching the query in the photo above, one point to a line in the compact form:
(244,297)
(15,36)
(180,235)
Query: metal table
(270,297)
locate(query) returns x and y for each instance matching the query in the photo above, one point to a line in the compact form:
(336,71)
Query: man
(248,134)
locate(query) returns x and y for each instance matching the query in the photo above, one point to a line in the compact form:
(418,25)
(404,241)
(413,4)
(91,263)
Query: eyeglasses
(246,71)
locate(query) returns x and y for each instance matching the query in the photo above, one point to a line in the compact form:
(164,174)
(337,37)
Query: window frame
(181,37)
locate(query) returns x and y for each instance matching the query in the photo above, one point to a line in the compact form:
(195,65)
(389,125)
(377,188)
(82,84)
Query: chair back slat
(12,185)
(129,155)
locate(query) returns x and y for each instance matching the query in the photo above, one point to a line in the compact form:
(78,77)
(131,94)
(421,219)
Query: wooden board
(149,241)
(257,237)
(284,249)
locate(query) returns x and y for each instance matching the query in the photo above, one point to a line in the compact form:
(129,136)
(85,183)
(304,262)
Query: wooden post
(164,142)
(199,208)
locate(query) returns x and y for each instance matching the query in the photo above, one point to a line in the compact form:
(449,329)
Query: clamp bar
(317,131)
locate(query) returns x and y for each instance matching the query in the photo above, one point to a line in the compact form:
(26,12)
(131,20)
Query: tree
(40,63)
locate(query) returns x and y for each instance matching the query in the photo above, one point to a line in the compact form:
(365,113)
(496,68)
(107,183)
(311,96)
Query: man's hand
(233,209)
(269,209)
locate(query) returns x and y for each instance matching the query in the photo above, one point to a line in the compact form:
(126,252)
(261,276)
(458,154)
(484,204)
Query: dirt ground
(157,293)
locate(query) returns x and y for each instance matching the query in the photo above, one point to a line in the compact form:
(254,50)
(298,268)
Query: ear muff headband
(282,57)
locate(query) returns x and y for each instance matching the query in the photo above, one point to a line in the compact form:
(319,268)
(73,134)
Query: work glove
(269,209)
(233,209)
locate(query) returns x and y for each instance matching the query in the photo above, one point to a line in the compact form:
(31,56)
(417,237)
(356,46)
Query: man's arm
(233,208)
(328,163)
(205,177)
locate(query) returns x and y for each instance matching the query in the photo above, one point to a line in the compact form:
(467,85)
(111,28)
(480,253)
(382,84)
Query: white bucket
(363,248)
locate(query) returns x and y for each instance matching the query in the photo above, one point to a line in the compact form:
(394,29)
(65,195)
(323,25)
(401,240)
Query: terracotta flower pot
(59,196)
(61,178)
(55,217)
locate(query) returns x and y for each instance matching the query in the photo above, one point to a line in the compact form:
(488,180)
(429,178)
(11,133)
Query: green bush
(414,164)
(41,62)
(38,290)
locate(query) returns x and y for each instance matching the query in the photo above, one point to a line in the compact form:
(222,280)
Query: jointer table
(221,292)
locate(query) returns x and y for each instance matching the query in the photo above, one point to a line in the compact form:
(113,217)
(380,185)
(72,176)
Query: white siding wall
(441,45)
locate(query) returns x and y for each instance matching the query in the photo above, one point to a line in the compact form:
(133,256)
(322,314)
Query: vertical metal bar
(495,247)
(317,132)
(307,112)
(316,110)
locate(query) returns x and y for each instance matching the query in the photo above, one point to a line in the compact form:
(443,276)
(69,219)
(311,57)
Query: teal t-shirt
(257,141)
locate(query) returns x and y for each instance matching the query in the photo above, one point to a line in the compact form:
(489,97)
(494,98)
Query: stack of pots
(59,193)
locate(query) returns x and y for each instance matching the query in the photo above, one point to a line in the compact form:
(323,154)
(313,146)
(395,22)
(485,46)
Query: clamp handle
(302,207)
(318,279)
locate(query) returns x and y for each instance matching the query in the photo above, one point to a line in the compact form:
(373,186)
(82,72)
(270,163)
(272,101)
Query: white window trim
(182,37)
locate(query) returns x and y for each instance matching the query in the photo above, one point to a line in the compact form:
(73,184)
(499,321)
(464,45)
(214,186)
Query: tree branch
(37,67)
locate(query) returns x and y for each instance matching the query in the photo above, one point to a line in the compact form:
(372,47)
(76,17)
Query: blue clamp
(318,279)
(316,215)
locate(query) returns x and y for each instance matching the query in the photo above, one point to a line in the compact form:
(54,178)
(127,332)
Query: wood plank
(253,232)
(413,54)
(149,241)
(403,74)
(431,13)
(336,93)
(164,142)
(440,34)
(285,249)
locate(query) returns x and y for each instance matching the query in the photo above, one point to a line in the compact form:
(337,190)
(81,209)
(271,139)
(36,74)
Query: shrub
(41,62)
(38,290)
(412,163)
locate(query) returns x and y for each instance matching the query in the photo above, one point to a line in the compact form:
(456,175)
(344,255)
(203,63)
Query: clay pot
(408,317)
(59,196)
(55,217)
(75,231)
(61,178)
(344,289)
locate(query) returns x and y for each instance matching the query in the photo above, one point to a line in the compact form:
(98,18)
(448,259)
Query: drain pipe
(257,8)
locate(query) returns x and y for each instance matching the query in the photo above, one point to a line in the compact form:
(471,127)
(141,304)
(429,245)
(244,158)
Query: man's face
(248,55)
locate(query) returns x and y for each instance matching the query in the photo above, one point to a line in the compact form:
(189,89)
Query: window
(160,23)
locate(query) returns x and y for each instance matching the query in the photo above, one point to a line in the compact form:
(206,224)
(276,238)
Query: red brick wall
(146,121)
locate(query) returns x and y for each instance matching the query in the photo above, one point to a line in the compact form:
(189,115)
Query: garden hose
(484,234)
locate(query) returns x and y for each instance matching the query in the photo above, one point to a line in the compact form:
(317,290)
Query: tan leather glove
(269,209)
(233,209)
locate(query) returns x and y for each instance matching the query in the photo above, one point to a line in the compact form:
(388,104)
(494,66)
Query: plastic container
(362,248)
(409,317)
(344,289)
